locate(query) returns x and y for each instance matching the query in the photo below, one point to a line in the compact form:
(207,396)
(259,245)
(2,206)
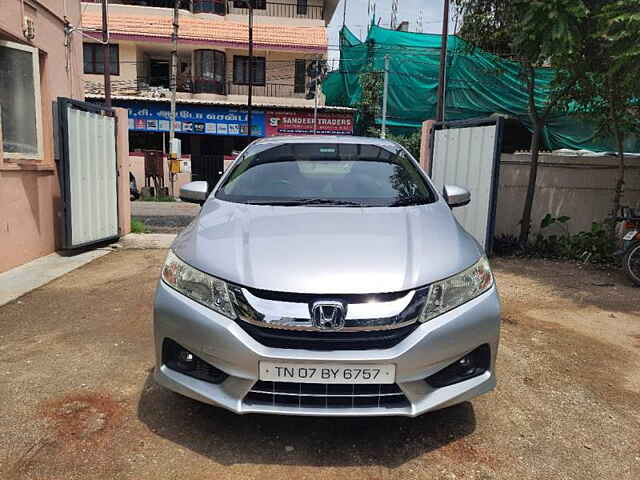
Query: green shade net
(478,84)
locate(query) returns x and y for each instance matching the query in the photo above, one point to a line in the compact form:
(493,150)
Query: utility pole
(250,93)
(443,62)
(385,94)
(315,96)
(344,13)
(173,80)
(173,84)
(107,55)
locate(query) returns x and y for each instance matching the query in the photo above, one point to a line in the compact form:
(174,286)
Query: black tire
(631,262)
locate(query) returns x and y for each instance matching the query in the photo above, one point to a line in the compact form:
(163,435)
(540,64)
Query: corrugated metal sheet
(465,157)
(92,176)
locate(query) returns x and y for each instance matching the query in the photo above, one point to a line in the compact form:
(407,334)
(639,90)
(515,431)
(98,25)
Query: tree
(370,103)
(610,91)
(410,141)
(370,108)
(535,33)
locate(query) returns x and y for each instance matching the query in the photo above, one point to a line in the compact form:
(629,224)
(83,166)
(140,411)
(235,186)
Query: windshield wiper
(328,201)
(274,202)
(306,201)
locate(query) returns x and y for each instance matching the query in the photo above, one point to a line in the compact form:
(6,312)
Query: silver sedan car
(326,276)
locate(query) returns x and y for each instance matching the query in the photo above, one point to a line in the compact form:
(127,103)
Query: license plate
(630,235)
(326,373)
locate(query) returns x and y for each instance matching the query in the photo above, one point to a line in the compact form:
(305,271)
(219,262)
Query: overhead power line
(393,22)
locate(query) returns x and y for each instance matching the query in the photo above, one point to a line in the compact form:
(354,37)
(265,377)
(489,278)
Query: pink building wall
(30,202)
(122,159)
(425,147)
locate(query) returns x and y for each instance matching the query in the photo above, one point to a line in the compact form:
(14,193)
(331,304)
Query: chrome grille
(363,314)
(322,395)
(328,341)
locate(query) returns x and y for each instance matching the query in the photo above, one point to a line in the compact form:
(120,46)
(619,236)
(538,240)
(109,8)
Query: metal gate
(88,172)
(207,167)
(467,153)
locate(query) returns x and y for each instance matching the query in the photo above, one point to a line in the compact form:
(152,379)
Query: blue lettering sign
(197,119)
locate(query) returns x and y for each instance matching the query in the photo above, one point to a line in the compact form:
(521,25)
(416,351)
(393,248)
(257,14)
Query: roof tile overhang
(210,31)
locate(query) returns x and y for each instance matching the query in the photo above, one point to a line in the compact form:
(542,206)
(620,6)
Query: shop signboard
(195,119)
(301,123)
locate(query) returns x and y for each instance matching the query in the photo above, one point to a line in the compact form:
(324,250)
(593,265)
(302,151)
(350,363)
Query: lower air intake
(321,395)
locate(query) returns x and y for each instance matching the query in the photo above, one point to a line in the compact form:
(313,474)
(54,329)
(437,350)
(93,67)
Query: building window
(301,8)
(20,102)
(209,6)
(94,58)
(300,76)
(209,71)
(257,4)
(241,70)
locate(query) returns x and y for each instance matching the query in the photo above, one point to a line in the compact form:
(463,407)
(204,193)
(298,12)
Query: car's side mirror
(456,196)
(194,192)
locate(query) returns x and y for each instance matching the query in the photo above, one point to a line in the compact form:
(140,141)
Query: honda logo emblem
(328,315)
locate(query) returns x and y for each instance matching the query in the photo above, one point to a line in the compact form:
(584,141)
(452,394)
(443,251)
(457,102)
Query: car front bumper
(222,343)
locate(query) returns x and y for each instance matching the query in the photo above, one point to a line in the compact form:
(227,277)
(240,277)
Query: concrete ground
(22,279)
(147,240)
(77,400)
(164,217)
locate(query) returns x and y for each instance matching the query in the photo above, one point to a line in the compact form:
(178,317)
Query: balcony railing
(184,4)
(292,9)
(269,89)
(283,8)
(158,87)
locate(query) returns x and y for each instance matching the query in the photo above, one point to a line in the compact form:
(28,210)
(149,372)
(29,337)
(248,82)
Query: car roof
(342,139)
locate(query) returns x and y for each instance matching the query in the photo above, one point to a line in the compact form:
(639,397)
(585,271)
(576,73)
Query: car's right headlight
(199,286)
(452,292)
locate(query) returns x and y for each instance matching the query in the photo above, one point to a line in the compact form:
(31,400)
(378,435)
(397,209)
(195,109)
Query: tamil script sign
(301,123)
(206,120)
(148,116)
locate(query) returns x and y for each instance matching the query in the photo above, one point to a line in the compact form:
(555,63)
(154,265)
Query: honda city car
(326,276)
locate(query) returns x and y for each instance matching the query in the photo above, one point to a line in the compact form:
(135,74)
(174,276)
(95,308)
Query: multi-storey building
(213,69)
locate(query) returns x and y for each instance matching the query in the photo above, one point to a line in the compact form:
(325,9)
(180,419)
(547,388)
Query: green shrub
(138,226)
(410,141)
(594,246)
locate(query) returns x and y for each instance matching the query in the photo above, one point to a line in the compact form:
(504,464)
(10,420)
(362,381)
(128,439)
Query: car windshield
(325,174)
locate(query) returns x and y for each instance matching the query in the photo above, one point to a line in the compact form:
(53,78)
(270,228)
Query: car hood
(327,250)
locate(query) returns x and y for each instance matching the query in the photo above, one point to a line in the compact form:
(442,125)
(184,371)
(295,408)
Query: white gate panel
(466,157)
(92,181)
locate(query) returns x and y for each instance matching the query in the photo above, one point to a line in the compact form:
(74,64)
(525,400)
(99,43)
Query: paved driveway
(77,399)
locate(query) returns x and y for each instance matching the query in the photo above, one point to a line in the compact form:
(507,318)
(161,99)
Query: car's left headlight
(199,286)
(454,291)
